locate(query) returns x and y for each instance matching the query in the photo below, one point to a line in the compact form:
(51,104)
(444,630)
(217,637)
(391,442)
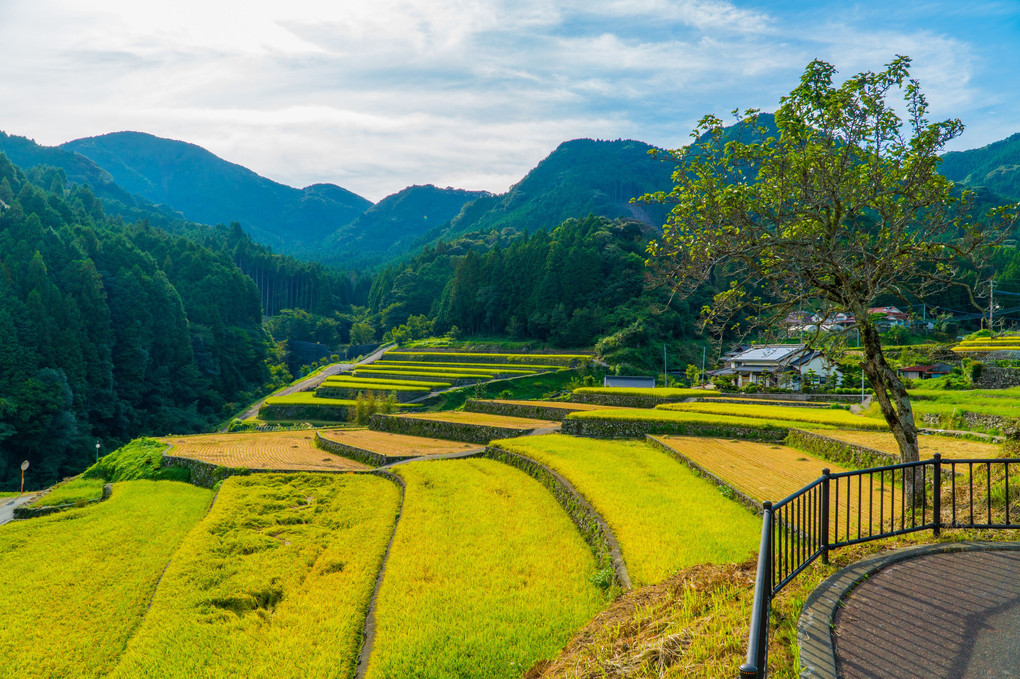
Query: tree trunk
(894,402)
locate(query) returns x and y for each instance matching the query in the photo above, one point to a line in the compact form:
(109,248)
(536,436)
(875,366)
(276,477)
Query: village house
(778,365)
(925,372)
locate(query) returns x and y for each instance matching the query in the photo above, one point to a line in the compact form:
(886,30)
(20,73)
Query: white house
(779,365)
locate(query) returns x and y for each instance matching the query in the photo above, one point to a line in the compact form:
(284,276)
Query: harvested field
(946,446)
(395,445)
(483,419)
(764,471)
(285,450)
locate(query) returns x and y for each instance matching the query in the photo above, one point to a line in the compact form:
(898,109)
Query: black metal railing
(848,508)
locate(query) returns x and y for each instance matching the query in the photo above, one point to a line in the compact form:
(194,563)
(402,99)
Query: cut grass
(76,491)
(275,582)
(284,450)
(76,584)
(664,516)
(486,575)
(836,418)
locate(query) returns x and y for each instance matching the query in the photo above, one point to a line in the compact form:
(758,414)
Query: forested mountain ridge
(110,330)
(395,224)
(210,190)
(995,167)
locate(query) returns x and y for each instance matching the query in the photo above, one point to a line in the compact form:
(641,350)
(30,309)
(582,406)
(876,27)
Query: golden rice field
(565,405)
(486,576)
(664,517)
(396,445)
(284,450)
(822,416)
(946,446)
(76,584)
(482,419)
(273,583)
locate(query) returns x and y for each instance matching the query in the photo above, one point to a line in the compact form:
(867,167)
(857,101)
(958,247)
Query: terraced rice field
(283,450)
(454,357)
(275,582)
(946,446)
(486,575)
(565,405)
(77,584)
(815,416)
(664,517)
(660,392)
(396,445)
(772,472)
(482,419)
(483,367)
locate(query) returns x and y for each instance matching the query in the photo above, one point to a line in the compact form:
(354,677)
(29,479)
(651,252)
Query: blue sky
(376,96)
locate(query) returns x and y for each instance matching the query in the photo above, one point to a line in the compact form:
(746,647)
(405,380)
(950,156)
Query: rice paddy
(75,491)
(486,575)
(671,417)
(283,450)
(396,445)
(946,446)
(275,582)
(483,419)
(76,584)
(837,417)
(658,392)
(664,516)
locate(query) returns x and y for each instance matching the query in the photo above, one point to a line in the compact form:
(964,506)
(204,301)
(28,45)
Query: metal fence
(857,506)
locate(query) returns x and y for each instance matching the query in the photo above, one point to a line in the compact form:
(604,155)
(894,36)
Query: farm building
(778,365)
(924,372)
(629,381)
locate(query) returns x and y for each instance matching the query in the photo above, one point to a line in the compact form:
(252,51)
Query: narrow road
(7,506)
(315,380)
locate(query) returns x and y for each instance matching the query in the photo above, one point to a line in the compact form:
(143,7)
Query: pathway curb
(814,629)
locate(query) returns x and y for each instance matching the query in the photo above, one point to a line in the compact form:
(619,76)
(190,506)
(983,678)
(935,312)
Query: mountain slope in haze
(208,189)
(995,167)
(580,177)
(392,226)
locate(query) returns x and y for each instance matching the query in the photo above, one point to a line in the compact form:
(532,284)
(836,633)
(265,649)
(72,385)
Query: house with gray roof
(779,365)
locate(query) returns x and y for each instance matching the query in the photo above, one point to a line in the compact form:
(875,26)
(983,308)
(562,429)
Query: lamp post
(98,444)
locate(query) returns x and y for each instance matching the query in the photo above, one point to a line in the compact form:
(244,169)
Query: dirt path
(315,380)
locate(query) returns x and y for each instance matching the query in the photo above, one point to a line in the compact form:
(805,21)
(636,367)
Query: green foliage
(139,459)
(77,584)
(545,385)
(77,491)
(993,166)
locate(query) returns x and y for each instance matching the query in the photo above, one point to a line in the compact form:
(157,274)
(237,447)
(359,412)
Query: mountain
(390,227)
(580,177)
(208,189)
(995,167)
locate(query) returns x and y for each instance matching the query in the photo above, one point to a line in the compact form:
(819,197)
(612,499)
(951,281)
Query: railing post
(825,517)
(936,499)
(756,663)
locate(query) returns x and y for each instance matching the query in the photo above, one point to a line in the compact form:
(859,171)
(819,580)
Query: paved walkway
(7,506)
(949,610)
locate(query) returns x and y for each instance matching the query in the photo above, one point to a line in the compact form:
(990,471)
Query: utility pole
(703,350)
(991,304)
(665,382)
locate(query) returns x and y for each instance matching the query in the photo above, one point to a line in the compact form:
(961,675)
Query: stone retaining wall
(379,392)
(626,400)
(994,377)
(840,452)
(368,457)
(437,429)
(537,411)
(304,412)
(615,428)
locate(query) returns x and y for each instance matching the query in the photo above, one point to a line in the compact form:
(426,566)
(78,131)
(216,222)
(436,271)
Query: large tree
(836,205)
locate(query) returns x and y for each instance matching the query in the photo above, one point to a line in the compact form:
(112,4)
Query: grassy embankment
(275,582)
(486,575)
(664,516)
(76,584)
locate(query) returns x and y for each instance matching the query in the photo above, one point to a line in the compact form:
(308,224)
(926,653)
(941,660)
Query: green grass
(539,386)
(498,367)
(836,418)
(139,459)
(543,359)
(275,582)
(950,405)
(423,372)
(659,392)
(664,516)
(345,380)
(307,398)
(370,386)
(658,415)
(486,575)
(76,584)
(76,491)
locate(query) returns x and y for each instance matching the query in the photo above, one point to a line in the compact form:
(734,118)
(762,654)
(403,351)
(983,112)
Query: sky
(376,96)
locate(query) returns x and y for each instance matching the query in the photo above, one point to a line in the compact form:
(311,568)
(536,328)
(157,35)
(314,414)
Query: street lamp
(98,444)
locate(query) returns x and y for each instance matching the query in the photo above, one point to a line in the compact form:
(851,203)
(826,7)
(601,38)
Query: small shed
(637,381)
(924,372)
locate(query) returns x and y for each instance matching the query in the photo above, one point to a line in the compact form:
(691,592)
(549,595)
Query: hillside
(580,177)
(208,189)
(393,225)
(995,167)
